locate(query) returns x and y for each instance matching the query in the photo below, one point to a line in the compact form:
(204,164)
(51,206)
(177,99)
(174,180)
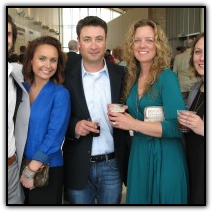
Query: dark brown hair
(91,21)
(28,73)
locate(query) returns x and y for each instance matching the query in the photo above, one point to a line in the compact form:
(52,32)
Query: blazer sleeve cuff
(40,156)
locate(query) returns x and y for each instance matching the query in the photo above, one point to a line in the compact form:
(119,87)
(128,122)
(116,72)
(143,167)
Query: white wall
(28,29)
(118,27)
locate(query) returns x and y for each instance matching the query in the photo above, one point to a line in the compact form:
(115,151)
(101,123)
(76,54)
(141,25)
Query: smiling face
(198,57)
(92,42)
(144,47)
(44,62)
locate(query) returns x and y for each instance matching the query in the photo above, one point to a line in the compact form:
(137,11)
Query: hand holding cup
(97,127)
(185,120)
(114,110)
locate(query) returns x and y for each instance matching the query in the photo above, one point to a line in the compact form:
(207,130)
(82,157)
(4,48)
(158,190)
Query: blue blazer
(50,113)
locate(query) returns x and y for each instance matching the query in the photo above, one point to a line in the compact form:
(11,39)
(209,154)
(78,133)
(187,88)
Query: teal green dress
(157,172)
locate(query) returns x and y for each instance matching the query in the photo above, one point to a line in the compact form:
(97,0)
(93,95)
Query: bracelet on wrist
(28,173)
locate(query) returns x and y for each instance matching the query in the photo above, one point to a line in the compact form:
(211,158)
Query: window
(71,16)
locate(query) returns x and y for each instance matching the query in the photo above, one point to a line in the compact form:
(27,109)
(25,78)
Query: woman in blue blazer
(50,113)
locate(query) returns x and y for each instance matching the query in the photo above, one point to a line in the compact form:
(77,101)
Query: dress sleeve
(172,101)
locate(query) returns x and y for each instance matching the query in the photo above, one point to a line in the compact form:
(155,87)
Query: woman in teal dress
(157,172)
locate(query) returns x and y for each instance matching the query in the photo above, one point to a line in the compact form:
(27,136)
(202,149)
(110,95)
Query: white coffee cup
(117,108)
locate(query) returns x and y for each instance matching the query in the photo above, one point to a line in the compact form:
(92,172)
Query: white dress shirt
(98,95)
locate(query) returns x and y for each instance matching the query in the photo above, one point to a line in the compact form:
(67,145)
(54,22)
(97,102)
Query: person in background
(73,56)
(157,172)
(18,119)
(22,53)
(179,50)
(181,66)
(95,167)
(108,56)
(118,56)
(50,113)
(195,143)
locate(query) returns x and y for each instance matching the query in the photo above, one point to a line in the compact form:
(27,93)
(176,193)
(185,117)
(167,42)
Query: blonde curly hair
(161,60)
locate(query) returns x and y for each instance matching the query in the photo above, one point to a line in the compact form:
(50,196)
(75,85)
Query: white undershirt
(11,110)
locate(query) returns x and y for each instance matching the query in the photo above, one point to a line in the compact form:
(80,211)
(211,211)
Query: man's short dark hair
(91,21)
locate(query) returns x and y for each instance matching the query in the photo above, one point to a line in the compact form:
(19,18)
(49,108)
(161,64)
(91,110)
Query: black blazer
(77,152)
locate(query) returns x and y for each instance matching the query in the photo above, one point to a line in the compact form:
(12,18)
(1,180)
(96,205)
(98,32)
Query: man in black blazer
(95,167)
(73,57)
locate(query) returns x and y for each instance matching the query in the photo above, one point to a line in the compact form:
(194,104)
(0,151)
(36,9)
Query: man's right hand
(84,127)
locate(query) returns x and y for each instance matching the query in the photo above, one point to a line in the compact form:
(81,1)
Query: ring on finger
(114,123)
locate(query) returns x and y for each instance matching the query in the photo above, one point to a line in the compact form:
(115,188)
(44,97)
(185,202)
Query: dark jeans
(104,185)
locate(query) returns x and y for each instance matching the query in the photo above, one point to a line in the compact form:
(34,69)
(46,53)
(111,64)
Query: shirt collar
(103,70)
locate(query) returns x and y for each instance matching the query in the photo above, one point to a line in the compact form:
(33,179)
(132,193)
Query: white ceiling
(121,10)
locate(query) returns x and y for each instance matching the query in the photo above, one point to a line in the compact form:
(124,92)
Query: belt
(100,158)
(11,160)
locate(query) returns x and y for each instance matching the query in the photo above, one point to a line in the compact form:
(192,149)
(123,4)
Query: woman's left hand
(121,120)
(192,121)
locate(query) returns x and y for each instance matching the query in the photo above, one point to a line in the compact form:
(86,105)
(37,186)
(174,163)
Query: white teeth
(143,52)
(201,65)
(46,72)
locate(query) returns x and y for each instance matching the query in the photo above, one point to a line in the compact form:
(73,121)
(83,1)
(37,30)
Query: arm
(127,122)
(172,101)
